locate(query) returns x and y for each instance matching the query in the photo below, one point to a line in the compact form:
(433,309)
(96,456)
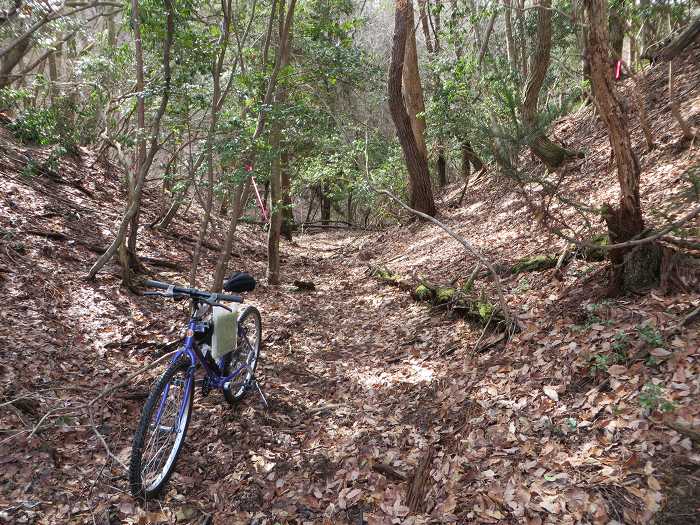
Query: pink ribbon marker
(618,67)
(263,211)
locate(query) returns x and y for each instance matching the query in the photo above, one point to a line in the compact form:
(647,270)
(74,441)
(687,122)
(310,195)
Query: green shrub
(652,398)
(36,126)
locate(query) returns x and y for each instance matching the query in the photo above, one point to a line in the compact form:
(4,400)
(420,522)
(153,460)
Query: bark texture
(548,152)
(639,267)
(420,191)
(412,87)
(276,198)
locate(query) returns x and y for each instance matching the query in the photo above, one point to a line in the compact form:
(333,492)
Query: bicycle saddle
(239,282)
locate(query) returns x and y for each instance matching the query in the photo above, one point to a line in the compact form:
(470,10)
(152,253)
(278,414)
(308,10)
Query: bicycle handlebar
(210,297)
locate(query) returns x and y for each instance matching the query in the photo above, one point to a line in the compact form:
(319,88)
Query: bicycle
(166,414)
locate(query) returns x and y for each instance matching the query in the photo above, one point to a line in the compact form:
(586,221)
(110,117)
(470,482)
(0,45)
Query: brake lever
(214,303)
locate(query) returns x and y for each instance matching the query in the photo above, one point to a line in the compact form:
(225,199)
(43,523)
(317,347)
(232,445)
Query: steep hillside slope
(590,415)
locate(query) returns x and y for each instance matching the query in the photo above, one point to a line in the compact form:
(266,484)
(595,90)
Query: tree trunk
(617,25)
(466,166)
(178,199)
(412,88)
(288,209)
(273,236)
(523,38)
(442,167)
(636,268)
(54,90)
(216,103)
(433,47)
(551,154)
(140,156)
(276,197)
(10,60)
(424,22)
(348,208)
(325,205)
(419,189)
(510,43)
(648,30)
(469,157)
(686,129)
(286,25)
(240,197)
(135,200)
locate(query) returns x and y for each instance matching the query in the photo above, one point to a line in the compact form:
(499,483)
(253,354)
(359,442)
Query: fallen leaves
(551,393)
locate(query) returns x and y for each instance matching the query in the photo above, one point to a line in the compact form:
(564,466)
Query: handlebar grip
(232,298)
(156,284)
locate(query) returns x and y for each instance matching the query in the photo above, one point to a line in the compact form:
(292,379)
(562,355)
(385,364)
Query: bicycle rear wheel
(161,431)
(246,355)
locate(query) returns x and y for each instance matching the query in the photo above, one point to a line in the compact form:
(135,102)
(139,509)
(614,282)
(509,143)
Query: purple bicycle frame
(214,377)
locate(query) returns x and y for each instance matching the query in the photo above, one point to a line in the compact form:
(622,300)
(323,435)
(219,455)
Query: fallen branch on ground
(58,236)
(510,320)
(462,300)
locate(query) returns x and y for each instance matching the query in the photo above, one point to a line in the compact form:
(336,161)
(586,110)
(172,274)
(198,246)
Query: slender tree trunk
(276,197)
(135,200)
(551,154)
(273,235)
(412,88)
(10,60)
(420,191)
(216,103)
(140,157)
(648,32)
(617,24)
(325,205)
(686,128)
(54,89)
(442,167)
(636,268)
(510,43)
(466,166)
(225,254)
(311,206)
(177,201)
(223,208)
(523,38)
(432,44)
(425,25)
(288,210)
(348,208)
(240,197)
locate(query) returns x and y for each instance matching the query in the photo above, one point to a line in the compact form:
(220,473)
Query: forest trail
(346,369)
(564,424)
(363,382)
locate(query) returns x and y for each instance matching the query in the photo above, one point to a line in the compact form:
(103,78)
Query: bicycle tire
(236,392)
(153,489)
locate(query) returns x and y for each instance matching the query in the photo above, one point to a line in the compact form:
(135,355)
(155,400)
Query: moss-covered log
(462,300)
(536,263)
(465,302)
(593,254)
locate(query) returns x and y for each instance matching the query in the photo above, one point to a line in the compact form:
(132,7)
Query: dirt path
(345,368)
(362,382)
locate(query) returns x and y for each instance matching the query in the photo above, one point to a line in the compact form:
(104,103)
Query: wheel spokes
(163,432)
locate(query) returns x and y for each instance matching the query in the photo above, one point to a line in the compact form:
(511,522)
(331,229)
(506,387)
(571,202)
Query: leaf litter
(586,415)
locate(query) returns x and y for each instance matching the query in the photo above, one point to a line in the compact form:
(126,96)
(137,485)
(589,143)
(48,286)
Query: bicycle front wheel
(245,358)
(161,431)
